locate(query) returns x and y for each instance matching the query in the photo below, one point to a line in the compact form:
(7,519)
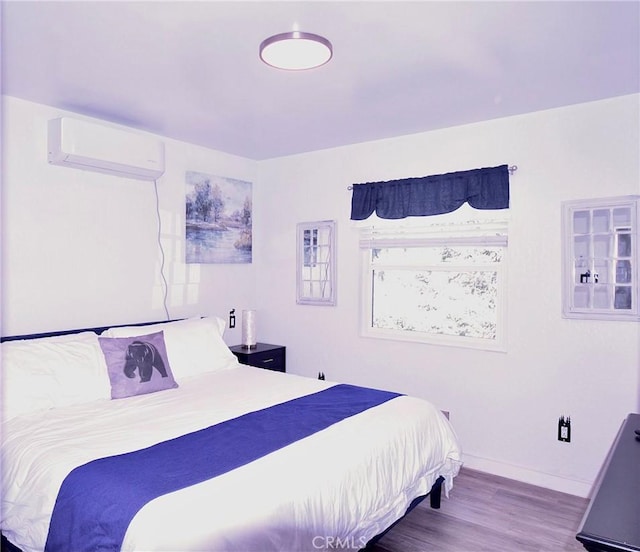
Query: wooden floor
(493,514)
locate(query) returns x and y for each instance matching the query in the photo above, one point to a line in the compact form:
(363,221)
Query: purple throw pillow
(137,365)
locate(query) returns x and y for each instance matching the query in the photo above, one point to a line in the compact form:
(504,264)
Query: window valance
(486,188)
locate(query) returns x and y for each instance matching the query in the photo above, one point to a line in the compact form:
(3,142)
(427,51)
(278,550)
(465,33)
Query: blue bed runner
(98,500)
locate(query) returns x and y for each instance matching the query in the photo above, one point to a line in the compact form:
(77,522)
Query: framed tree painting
(218,219)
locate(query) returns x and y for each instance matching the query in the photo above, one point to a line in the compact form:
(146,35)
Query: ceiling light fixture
(296,51)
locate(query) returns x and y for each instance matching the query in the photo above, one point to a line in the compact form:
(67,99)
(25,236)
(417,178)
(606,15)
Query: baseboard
(526,475)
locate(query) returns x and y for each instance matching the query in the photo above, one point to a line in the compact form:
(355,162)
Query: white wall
(504,407)
(80,248)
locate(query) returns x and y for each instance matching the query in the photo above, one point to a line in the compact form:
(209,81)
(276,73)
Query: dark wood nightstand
(270,357)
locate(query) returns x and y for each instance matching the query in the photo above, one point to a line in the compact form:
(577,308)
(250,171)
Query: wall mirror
(316,263)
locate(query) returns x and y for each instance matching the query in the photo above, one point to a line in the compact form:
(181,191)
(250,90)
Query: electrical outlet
(564,429)
(232,319)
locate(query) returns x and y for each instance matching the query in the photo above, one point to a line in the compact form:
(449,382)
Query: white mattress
(340,486)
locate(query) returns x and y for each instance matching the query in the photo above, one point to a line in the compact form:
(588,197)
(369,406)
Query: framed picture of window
(316,263)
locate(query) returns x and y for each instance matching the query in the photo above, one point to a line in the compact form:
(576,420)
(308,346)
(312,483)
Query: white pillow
(194,345)
(50,372)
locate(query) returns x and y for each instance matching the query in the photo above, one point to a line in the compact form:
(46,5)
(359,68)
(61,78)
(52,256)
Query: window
(440,284)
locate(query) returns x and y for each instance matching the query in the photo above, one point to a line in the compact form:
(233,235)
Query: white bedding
(341,486)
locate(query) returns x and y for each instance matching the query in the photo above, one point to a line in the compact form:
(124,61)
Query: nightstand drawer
(271,360)
(269,357)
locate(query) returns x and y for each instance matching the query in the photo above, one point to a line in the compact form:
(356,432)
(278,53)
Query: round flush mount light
(295,51)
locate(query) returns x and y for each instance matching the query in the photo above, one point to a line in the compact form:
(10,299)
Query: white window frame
(472,233)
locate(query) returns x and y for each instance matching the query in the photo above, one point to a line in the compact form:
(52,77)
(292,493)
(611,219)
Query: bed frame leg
(436,493)
(434,497)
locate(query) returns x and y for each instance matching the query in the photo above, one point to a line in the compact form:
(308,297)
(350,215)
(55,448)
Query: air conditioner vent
(86,145)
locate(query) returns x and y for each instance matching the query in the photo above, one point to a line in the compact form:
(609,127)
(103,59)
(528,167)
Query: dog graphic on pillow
(144,357)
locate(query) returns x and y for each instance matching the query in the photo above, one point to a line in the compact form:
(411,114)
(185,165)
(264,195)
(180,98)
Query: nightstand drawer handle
(268,360)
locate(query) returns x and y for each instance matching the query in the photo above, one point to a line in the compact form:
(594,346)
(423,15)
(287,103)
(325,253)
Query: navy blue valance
(486,188)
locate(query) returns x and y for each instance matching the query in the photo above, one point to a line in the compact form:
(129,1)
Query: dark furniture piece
(612,521)
(7,546)
(264,355)
(99,330)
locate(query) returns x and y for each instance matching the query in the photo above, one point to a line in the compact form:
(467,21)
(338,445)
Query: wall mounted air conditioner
(94,147)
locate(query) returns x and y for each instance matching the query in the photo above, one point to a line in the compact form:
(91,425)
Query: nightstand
(264,355)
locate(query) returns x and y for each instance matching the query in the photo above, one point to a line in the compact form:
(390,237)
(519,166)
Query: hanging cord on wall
(166,286)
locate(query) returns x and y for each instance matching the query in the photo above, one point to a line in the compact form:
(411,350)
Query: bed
(154,438)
